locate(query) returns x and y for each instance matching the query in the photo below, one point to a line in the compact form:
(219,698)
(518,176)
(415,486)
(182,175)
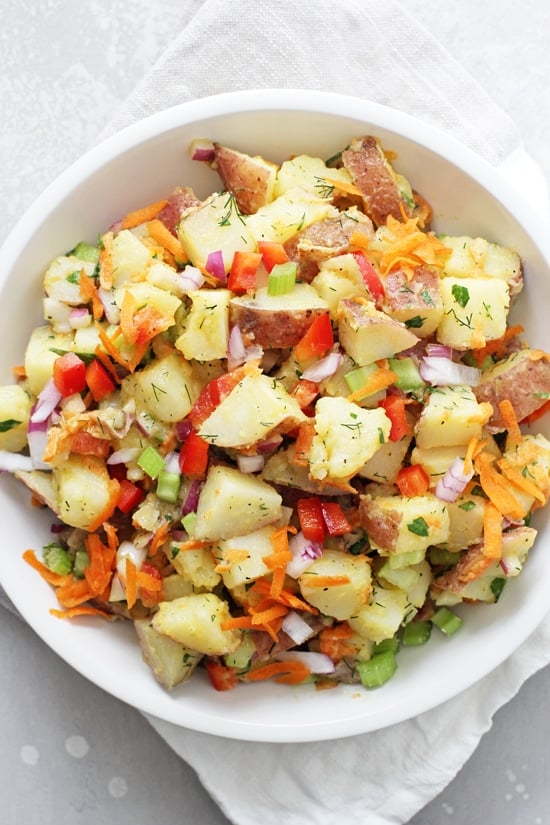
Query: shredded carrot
(510,421)
(521,481)
(103,358)
(262,586)
(113,488)
(159,537)
(333,641)
(342,186)
(306,432)
(148,582)
(266,616)
(497,346)
(99,572)
(492,532)
(376,381)
(130,581)
(471,451)
(326,581)
(408,246)
(162,235)
(20,372)
(143,215)
(112,538)
(278,581)
(496,487)
(110,346)
(291,672)
(48,575)
(89,293)
(359,239)
(231,557)
(73,612)
(106,261)
(73,593)
(237,622)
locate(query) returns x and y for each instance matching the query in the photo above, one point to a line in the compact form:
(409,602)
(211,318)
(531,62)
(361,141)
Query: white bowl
(142,164)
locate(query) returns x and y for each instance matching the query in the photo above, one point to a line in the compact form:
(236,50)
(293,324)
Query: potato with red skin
(415,301)
(277,321)
(250,179)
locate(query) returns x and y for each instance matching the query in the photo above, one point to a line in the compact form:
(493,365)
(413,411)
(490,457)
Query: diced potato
(86,340)
(165,277)
(234,504)
(451,416)
(255,407)
(288,215)
(309,173)
(240,558)
(381,618)
(195,622)
(414,580)
(40,355)
(280,468)
(251,179)
(465,521)
(475,311)
(216,224)
(84,490)
(339,600)
(166,388)
(205,335)
(174,586)
(40,483)
(474,257)
(416,303)
(396,524)
(146,294)
(171,662)
(386,462)
(338,278)
(435,461)
(62,279)
(15,408)
(368,335)
(130,258)
(346,437)
(531,458)
(277,321)
(196,566)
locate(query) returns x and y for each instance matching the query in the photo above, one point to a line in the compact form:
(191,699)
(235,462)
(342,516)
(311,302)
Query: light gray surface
(69,753)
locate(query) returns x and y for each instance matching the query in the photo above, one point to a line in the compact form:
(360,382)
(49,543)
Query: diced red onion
(295,627)
(504,566)
(183,429)
(116,227)
(110,307)
(191,501)
(128,550)
(118,591)
(124,455)
(144,426)
(250,463)
(439,350)
(202,149)
(37,440)
(79,318)
(191,278)
(315,662)
(442,372)
(14,462)
(269,444)
(215,266)
(48,399)
(236,350)
(304,553)
(453,482)
(171,462)
(323,368)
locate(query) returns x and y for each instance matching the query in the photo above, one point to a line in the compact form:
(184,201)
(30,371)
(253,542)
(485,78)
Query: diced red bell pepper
(221,676)
(272,253)
(69,374)
(310,516)
(213,393)
(98,380)
(242,275)
(413,481)
(335,519)
(193,458)
(370,276)
(394,405)
(129,496)
(305,392)
(317,340)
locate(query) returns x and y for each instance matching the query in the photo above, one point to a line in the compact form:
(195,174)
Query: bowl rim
(308,101)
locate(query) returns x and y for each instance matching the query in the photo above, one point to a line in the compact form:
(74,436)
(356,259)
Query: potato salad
(284,430)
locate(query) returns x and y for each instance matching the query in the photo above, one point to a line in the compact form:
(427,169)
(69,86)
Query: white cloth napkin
(376,50)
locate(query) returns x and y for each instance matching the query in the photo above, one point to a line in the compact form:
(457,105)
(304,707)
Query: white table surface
(68,752)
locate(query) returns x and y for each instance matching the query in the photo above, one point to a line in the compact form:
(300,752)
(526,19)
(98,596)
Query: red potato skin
(421,292)
(272,329)
(526,384)
(381,526)
(246,177)
(365,161)
(178,202)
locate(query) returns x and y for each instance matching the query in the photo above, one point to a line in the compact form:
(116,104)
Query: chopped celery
(57,559)
(86,252)
(81,562)
(168,486)
(416,633)
(357,378)
(240,658)
(447,621)
(391,645)
(378,669)
(441,556)
(397,561)
(188,523)
(408,376)
(151,462)
(282,278)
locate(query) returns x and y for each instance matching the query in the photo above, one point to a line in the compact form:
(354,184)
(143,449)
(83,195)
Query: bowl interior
(143,164)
